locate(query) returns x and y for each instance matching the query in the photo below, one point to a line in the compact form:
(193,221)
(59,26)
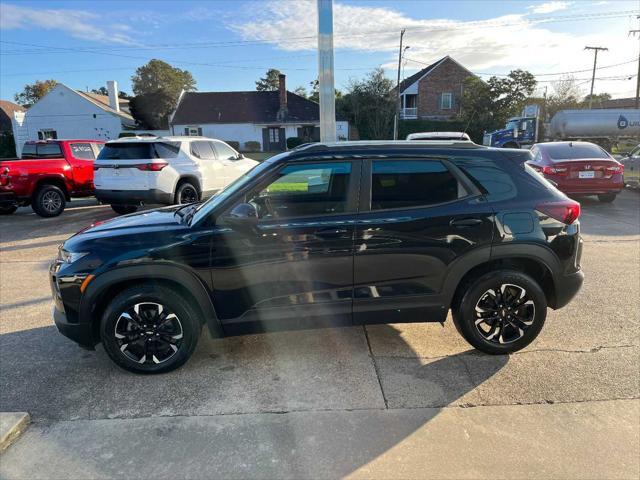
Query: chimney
(112,88)
(282,95)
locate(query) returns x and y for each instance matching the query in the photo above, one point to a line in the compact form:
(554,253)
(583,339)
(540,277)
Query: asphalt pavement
(401,401)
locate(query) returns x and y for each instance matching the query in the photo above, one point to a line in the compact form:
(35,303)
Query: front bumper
(134,197)
(78,332)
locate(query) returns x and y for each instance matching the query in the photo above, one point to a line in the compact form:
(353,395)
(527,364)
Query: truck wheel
(124,209)
(149,329)
(501,311)
(607,197)
(8,210)
(49,201)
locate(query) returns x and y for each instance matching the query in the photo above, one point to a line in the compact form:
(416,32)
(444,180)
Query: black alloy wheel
(504,313)
(500,312)
(186,193)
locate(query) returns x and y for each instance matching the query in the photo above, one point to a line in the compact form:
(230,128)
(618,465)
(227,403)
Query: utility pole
(396,121)
(634,32)
(326,87)
(593,76)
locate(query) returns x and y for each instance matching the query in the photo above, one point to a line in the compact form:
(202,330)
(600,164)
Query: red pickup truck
(49,173)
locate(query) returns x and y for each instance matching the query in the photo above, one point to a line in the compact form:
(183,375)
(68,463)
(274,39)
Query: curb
(12,424)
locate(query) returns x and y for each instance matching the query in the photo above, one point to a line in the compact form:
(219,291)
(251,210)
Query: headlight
(70,257)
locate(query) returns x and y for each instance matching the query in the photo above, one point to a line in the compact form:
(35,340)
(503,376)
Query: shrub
(233,144)
(252,146)
(293,142)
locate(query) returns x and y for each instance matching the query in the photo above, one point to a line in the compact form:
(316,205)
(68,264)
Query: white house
(67,113)
(267,117)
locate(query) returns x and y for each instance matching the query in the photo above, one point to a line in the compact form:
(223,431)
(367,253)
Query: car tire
(186,193)
(124,209)
(607,197)
(150,321)
(49,201)
(494,323)
(8,210)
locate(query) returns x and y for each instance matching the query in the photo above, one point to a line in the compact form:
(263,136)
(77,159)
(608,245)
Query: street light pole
(326,88)
(397,117)
(593,76)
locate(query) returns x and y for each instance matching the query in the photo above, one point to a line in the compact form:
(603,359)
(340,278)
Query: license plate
(590,174)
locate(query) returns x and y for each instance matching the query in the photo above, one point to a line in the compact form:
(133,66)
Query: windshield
(512,124)
(207,207)
(571,151)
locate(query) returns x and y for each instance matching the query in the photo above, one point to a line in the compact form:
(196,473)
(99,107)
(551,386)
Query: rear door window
(126,151)
(49,150)
(412,183)
(203,150)
(82,151)
(29,150)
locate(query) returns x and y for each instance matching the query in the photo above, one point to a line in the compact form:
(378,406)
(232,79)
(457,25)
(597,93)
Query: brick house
(434,92)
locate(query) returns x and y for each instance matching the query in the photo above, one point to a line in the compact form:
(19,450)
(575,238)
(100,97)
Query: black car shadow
(320,372)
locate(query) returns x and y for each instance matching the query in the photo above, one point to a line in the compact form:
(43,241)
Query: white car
(459,136)
(164,170)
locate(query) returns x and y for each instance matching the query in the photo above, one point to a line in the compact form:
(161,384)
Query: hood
(145,226)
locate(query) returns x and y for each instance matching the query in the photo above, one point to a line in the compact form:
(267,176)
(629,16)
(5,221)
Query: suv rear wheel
(149,329)
(49,201)
(501,312)
(607,197)
(186,193)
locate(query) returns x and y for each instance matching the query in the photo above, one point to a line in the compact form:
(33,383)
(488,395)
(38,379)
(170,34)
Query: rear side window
(412,183)
(82,150)
(49,150)
(489,175)
(570,151)
(203,150)
(167,149)
(126,151)
(29,150)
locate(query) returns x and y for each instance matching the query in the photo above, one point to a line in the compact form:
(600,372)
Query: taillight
(565,211)
(4,176)
(151,167)
(615,169)
(554,170)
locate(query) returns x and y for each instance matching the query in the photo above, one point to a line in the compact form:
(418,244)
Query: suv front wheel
(149,329)
(501,312)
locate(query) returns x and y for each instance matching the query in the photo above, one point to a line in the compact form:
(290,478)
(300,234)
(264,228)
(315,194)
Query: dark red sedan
(579,168)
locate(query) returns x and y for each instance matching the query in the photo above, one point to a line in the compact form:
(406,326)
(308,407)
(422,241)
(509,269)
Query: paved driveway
(381,401)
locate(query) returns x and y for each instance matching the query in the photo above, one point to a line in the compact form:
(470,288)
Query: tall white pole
(326,86)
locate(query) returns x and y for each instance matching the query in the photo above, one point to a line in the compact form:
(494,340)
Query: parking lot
(382,401)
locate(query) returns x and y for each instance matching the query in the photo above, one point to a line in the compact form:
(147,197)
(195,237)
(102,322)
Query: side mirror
(243,217)
(240,156)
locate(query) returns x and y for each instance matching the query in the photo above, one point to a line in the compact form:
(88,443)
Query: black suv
(329,235)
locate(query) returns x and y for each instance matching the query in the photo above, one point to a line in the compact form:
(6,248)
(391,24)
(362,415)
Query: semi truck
(601,126)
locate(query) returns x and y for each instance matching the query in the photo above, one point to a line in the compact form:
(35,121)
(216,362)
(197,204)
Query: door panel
(211,168)
(403,254)
(295,268)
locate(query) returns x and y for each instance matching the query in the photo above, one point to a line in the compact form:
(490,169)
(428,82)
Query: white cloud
(77,23)
(495,45)
(549,7)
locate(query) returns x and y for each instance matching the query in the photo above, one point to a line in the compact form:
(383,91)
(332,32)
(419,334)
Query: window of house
(412,183)
(203,150)
(193,131)
(274,135)
(446,101)
(47,133)
(309,189)
(225,152)
(82,150)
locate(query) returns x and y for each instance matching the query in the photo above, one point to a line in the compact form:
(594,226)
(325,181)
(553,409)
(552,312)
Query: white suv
(164,170)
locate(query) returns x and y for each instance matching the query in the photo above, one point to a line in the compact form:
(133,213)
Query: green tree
(269,82)
(369,104)
(564,95)
(301,91)
(157,86)
(487,105)
(34,91)
(598,98)
(104,91)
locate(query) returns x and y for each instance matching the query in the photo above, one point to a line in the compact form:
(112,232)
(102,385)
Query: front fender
(165,272)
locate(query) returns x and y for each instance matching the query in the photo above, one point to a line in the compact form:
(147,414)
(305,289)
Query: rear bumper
(567,286)
(134,197)
(577,187)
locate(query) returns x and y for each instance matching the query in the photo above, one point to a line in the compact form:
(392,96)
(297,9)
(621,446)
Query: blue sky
(228,45)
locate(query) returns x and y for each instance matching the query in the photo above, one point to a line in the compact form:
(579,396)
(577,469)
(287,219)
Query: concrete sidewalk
(575,440)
